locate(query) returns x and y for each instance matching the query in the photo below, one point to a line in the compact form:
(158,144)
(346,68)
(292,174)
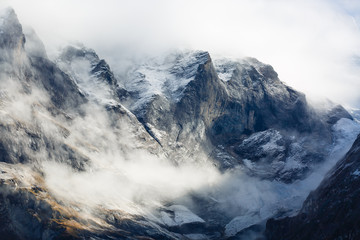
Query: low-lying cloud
(312,44)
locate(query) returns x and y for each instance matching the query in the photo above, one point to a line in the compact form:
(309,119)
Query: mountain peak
(166,75)
(6,12)
(72,52)
(12,36)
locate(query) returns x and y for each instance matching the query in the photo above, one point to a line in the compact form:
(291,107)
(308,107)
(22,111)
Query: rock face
(39,104)
(180,108)
(329,212)
(12,37)
(215,105)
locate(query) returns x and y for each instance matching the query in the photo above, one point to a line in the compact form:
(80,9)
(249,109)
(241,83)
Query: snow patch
(196,236)
(225,68)
(89,84)
(261,199)
(177,215)
(240,223)
(345,130)
(165,75)
(355,113)
(356,173)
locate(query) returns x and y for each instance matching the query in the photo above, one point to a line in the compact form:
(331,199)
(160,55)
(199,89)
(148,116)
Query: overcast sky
(314,45)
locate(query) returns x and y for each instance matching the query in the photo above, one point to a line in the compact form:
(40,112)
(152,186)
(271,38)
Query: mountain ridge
(154,155)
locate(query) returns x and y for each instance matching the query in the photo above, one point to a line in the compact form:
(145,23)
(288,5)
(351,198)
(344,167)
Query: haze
(313,45)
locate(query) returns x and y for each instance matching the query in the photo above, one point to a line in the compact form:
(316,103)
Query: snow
(272,145)
(166,75)
(166,219)
(3,16)
(269,140)
(177,215)
(345,130)
(196,236)
(355,113)
(240,223)
(356,173)
(261,199)
(159,134)
(20,173)
(4,13)
(249,164)
(225,68)
(88,83)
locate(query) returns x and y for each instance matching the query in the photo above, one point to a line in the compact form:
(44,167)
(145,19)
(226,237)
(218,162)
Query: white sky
(312,44)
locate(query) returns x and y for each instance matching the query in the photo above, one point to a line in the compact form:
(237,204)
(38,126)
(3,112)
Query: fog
(314,45)
(120,174)
(119,171)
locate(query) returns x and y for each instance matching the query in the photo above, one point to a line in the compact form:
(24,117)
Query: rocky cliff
(331,211)
(159,153)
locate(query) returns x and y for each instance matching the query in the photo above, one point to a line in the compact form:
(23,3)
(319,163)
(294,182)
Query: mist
(120,175)
(313,45)
(116,170)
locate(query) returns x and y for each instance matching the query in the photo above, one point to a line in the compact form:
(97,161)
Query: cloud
(312,44)
(119,174)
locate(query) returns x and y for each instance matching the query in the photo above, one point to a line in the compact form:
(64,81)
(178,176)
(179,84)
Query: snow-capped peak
(79,62)
(165,75)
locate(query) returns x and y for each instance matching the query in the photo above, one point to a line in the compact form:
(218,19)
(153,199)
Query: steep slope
(84,154)
(329,212)
(202,112)
(91,74)
(45,119)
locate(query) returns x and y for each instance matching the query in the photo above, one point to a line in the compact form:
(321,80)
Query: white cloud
(310,43)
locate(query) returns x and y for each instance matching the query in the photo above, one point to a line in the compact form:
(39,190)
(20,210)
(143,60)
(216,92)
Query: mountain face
(161,153)
(331,211)
(188,100)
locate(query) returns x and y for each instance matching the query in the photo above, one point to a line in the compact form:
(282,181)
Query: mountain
(216,105)
(330,211)
(180,146)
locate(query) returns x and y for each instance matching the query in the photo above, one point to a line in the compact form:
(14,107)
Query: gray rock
(329,212)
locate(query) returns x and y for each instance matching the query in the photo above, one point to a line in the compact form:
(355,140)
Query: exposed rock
(212,112)
(329,212)
(183,106)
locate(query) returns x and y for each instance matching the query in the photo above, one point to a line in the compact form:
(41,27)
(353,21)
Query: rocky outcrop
(81,63)
(331,211)
(42,110)
(12,37)
(221,103)
(189,104)
(184,107)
